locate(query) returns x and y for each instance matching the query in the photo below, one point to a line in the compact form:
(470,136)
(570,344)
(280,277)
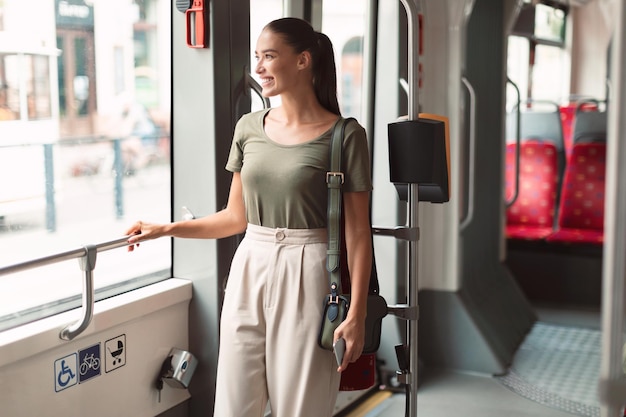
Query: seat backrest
(568,115)
(590,126)
(539,125)
(544,125)
(538,184)
(582,192)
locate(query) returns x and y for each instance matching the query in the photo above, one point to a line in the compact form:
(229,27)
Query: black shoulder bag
(336,304)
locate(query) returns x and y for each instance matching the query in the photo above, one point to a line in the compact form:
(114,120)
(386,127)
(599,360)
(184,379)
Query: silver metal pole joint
(411,234)
(404,311)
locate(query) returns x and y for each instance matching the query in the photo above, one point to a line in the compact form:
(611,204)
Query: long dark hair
(301,36)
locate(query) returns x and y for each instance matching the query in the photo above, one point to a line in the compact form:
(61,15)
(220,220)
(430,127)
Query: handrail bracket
(87,264)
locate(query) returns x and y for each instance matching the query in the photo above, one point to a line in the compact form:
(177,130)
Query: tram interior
(510,268)
(554,181)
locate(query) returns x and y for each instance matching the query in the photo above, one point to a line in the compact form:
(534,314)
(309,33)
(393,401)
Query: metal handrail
(248,83)
(469,215)
(518,141)
(86,256)
(254,86)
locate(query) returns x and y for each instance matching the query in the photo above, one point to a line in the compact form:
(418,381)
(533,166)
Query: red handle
(195,24)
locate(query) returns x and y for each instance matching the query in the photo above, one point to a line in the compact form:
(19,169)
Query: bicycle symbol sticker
(88,363)
(115,353)
(65,372)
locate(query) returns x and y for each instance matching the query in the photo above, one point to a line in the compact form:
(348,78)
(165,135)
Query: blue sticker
(65,372)
(89,363)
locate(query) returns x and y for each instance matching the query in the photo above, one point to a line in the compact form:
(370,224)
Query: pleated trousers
(269,326)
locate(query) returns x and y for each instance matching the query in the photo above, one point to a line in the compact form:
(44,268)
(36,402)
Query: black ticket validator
(419,153)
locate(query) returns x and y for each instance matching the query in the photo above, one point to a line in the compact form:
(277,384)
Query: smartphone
(340,348)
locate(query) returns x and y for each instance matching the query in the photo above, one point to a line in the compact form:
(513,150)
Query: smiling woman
(284,249)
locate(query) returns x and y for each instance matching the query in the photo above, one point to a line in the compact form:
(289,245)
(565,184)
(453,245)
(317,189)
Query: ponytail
(301,36)
(325,75)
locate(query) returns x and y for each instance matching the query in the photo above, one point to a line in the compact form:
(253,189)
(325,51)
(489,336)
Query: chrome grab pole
(469,215)
(412,12)
(612,381)
(518,141)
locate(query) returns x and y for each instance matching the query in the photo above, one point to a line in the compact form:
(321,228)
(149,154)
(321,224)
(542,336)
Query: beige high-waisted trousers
(269,326)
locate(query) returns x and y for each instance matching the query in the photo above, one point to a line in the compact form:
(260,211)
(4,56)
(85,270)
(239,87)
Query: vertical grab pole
(410,7)
(612,384)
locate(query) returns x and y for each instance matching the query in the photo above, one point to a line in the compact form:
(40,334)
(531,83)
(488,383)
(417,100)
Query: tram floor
(445,393)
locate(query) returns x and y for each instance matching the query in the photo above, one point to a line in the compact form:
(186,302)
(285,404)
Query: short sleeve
(356,159)
(235,157)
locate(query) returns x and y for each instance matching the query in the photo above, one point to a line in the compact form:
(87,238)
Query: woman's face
(278,65)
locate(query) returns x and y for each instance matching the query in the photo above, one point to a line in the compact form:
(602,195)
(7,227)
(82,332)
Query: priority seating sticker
(65,372)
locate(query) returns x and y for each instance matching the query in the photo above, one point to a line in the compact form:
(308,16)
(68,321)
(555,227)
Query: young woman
(273,302)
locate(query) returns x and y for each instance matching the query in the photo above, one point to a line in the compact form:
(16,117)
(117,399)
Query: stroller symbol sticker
(115,353)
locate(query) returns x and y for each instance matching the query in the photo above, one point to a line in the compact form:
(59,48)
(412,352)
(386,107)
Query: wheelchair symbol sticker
(89,363)
(115,353)
(65,372)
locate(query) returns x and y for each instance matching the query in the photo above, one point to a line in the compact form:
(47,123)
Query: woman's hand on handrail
(141,231)
(226,222)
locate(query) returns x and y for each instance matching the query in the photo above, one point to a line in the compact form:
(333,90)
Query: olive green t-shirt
(284,186)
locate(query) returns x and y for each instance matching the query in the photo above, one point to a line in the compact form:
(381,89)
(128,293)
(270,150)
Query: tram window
(347,41)
(87,151)
(550,78)
(345,23)
(518,68)
(261,13)
(540,71)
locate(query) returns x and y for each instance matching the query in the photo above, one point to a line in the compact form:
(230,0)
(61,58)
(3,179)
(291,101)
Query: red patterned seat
(531,216)
(581,211)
